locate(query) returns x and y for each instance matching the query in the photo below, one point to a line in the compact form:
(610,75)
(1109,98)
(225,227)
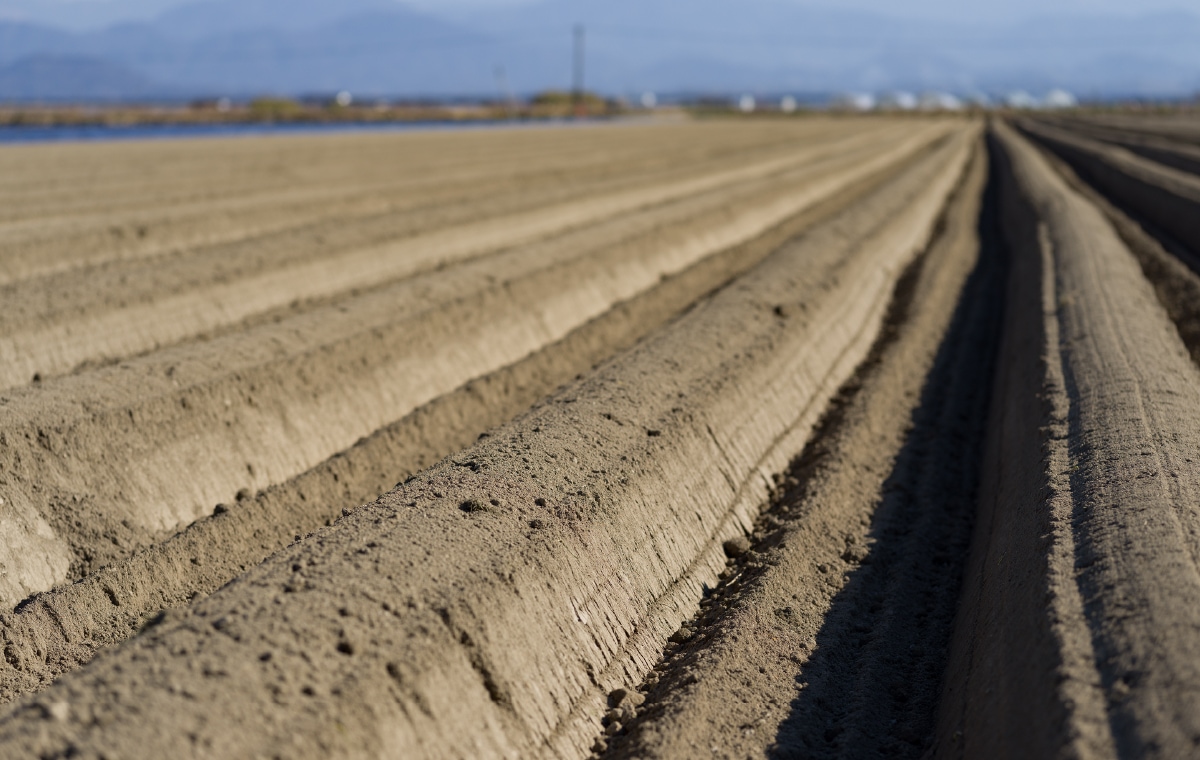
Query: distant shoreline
(15,135)
(48,123)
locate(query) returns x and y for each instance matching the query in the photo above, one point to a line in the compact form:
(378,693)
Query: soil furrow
(1078,635)
(139,178)
(424,624)
(1181,128)
(1163,150)
(333,229)
(93,463)
(110,236)
(125,329)
(56,632)
(41,245)
(1165,198)
(827,633)
(1161,259)
(68,181)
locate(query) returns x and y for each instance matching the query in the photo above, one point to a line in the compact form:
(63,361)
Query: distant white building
(1057,98)
(979,100)
(854,101)
(897,101)
(1020,99)
(747,104)
(940,101)
(787,104)
(649,100)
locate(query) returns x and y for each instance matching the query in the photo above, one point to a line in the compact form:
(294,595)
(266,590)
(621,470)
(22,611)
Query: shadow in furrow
(1162,214)
(1171,267)
(871,686)
(55,632)
(1169,152)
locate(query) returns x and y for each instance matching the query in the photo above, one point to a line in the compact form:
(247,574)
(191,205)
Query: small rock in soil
(58,711)
(736,547)
(682,635)
(618,698)
(472,505)
(855,553)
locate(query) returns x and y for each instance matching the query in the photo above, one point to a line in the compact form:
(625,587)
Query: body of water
(31,134)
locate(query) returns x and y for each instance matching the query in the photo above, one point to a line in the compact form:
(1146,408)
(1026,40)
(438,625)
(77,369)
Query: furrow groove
(425,624)
(92,460)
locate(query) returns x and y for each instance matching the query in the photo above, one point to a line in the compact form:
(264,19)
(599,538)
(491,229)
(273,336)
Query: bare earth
(824,437)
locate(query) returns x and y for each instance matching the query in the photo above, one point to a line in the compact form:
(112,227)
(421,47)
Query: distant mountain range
(381,48)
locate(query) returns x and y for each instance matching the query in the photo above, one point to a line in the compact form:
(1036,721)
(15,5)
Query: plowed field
(825,437)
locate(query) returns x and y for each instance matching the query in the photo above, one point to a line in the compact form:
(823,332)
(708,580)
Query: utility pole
(506,94)
(577,85)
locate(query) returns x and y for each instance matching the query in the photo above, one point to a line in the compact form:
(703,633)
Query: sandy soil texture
(1178,148)
(92,460)
(57,631)
(790,330)
(812,643)
(1160,195)
(1178,128)
(1077,635)
(768,438)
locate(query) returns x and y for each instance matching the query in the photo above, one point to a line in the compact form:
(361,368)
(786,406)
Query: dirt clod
(682,635)
(736,547)
(856,554)
(470,506)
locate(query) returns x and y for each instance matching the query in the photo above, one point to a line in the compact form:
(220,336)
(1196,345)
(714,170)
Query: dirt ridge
(766,669)
(55,632)
(399,661)
(216,410)
(1161,259)
(131,328)
(1165,197)
(1077,635)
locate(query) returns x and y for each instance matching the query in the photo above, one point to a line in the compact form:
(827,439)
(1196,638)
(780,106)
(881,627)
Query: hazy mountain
(48,77)
(217,17)
(244,47)
(20,40)
(82,15)
(235,48)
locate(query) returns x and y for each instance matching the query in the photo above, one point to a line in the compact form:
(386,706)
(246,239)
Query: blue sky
(1099,47)
(94,13)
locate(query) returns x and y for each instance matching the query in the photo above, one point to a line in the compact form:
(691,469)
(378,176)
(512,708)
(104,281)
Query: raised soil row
(875,443)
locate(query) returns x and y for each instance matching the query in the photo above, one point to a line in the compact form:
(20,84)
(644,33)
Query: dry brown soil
(824,437)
